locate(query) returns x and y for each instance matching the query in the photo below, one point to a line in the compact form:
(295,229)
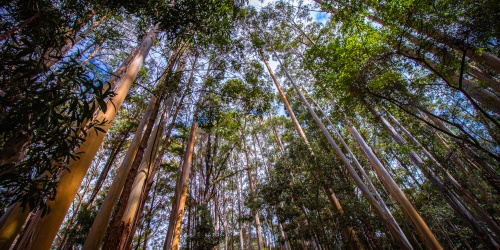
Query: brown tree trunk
(70,180)
(150,179)
(98,229)
(109,162)
(115,231)
(134,201)
(173,234)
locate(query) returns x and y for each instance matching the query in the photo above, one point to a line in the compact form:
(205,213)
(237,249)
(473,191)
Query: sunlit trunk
(70,181)
(404,244)
(174,228)
(100,224)
(393,188)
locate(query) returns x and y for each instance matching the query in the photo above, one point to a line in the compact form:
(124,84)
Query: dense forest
(228,124)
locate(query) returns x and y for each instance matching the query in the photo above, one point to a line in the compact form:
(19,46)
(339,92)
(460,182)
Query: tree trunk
(173,234)
(287,105)
(75,211)
(138,187)
(150,179)
(70,181)
(100,224)
(10,32)
(240,212)
(349,232)
(350,169)
(104,173)
(252,188)
(424,231)
(116,227)
(365,175)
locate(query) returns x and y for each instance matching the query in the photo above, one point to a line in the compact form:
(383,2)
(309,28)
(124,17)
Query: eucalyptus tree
(410,90)
(377,80)
(40,127)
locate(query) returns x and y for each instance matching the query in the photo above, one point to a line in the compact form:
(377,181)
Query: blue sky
(321,17)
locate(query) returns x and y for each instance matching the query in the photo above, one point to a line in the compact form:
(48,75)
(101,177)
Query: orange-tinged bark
(70,181)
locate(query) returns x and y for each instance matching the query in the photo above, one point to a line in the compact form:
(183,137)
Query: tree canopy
(207,124)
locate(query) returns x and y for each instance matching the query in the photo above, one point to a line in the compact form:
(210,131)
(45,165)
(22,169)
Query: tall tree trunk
(70,181)
(109,162)
(138,187)
(401,240)
(240,212)
(348,232)
(138,193)
(98,230)
(364,174)
(76,208)
(424,231)
(452,198)
(116,227)
(252,188)
(286,103)
(283,236)
(173,234)
(150,179)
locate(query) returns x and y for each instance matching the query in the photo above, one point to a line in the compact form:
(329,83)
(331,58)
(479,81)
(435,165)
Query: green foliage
(204,237)
(249,94)
(45,111)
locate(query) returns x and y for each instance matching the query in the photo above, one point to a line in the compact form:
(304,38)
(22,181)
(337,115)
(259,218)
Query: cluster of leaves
(251,93)
(45,110)
(204,237)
